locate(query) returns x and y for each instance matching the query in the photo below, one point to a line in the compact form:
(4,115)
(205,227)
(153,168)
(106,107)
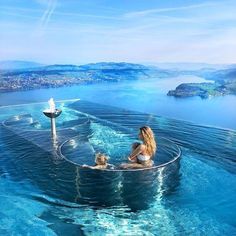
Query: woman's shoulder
(142,147)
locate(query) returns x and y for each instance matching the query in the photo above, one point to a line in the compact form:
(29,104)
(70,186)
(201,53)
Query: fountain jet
(52,113)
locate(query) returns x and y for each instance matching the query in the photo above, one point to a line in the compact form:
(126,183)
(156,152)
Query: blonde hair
(101,159)
(148,140)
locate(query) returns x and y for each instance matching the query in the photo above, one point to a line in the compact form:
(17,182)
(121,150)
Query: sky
(139,31)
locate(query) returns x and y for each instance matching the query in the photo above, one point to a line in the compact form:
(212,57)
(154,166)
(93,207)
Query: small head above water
(101,159)
(135,145)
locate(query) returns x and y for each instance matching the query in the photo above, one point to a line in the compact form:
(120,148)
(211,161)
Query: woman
(142,153)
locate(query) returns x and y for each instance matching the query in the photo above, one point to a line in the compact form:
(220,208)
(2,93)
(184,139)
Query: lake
(142,95)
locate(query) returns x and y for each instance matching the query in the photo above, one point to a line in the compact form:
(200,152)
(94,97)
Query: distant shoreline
(57,76)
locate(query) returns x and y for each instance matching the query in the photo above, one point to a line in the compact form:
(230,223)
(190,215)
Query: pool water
(40,193)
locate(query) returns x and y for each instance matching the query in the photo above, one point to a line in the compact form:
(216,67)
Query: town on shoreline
(223,81)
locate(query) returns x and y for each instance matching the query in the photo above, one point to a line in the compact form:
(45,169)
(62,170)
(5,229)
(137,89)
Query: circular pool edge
(176,158)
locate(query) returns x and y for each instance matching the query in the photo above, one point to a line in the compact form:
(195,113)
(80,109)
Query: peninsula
(222,82)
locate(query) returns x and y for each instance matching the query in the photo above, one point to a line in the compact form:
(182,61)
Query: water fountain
(52,113)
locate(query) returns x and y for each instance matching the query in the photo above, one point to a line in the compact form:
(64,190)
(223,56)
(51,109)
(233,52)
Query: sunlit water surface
(36,187)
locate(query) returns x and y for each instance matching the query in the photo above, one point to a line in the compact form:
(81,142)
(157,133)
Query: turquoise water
(39,193)
(145,96)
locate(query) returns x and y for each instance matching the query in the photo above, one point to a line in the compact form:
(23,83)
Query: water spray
(52,113)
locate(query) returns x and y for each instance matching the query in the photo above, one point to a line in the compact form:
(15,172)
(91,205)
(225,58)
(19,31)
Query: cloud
(197,32)
(42,2)
(20,15)
(51,5)
(170,9)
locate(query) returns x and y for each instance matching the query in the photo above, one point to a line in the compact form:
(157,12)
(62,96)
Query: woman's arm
(87,166)
(95,167)
(136,152)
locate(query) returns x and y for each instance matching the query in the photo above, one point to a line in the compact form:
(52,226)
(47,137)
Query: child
(100,162)
(134,146)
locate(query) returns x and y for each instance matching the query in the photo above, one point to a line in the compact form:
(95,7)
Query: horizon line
(122,61)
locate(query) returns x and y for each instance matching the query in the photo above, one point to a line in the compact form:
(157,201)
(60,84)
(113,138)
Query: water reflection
(63,180)
(142,188)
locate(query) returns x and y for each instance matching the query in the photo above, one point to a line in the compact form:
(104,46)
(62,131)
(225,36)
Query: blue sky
(78,31)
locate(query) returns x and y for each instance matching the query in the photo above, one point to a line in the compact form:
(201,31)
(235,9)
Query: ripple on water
(200,202)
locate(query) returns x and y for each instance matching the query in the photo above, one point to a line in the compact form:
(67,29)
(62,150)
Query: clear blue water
(38,192)
(145,96)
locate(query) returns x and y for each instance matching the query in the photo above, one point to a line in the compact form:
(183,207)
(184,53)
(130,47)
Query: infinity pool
(44,194)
